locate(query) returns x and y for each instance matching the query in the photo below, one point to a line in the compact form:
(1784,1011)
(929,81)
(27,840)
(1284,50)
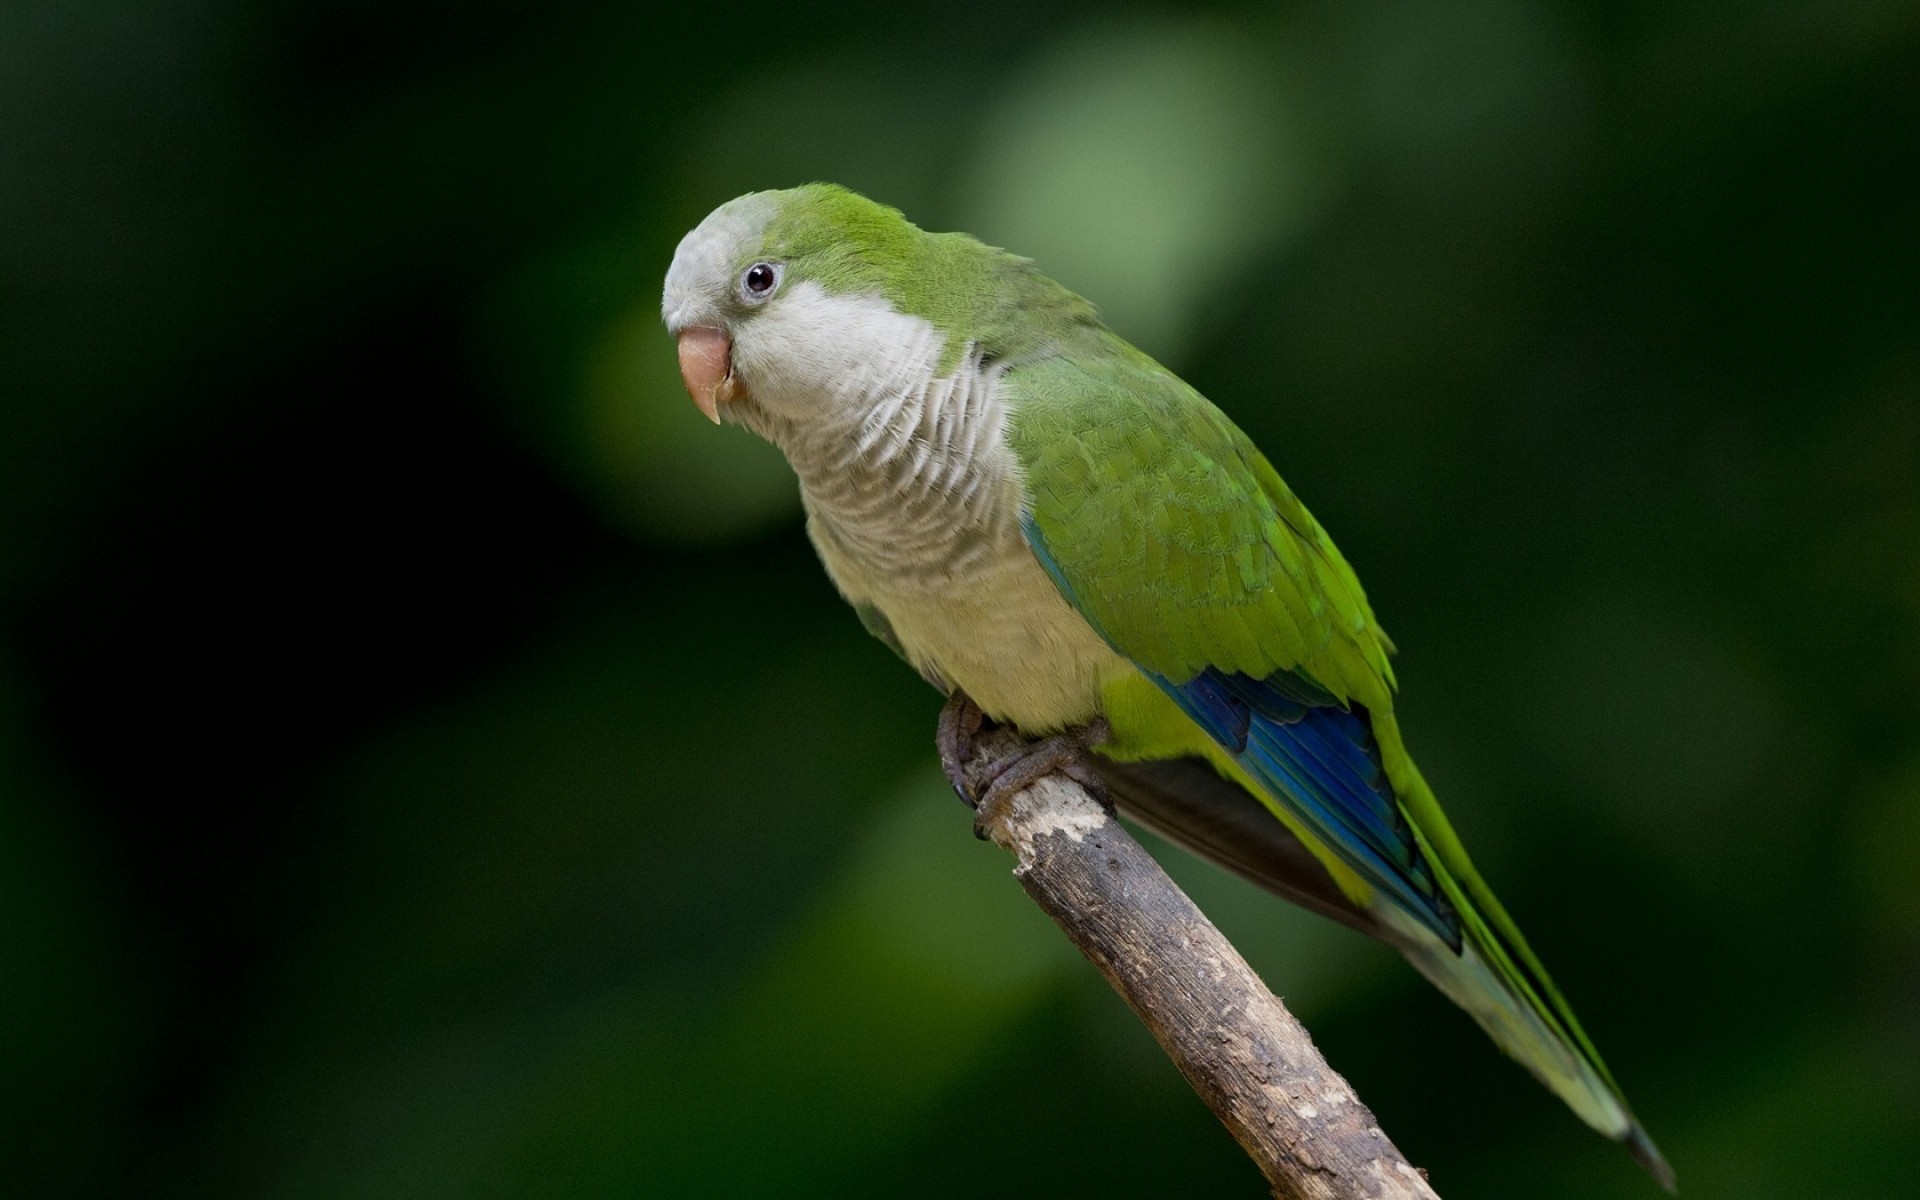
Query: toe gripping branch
(986,767)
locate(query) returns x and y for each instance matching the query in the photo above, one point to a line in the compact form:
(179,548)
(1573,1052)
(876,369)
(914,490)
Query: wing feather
(1188,554)
(1252,621)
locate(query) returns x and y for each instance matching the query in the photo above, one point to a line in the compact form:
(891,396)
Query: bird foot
(986,786)
(960,723)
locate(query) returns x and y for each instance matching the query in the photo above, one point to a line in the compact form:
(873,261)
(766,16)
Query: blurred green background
(432,763)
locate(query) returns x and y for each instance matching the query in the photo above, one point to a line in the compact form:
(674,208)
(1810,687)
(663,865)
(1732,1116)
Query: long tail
(1484,979)
(1494,976)
(1497,977)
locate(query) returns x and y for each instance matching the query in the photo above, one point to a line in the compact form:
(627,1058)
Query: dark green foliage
(433,764)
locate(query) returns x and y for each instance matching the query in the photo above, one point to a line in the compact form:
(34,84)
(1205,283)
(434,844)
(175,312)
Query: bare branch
(1237,1045)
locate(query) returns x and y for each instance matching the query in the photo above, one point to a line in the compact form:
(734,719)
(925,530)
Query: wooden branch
(1237,1045)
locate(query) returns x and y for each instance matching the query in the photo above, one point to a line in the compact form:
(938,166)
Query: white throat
(903,470)
(913,499)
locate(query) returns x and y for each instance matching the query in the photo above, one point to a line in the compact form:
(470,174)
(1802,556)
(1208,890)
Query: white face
(811,356)
(786,346)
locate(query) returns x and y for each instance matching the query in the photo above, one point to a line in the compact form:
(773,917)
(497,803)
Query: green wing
(1184,547)
(1176,539)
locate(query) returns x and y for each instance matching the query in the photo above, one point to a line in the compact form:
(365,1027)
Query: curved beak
(706,366)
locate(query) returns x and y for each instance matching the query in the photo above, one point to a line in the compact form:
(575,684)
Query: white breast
(914,499)
(996,628)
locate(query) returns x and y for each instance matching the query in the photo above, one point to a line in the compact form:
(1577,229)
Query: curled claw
(983,786)
(1063,753)
(960,723)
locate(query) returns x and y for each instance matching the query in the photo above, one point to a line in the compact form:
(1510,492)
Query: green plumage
(850,245)
(1184,548)
(1192,551)
(1231,632)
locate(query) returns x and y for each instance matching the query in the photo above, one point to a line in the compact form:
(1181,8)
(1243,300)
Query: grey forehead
(707,255)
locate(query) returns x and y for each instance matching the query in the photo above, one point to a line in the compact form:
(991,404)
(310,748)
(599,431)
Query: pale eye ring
(758,281)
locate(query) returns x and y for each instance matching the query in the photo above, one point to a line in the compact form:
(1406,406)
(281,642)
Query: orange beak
(706,366)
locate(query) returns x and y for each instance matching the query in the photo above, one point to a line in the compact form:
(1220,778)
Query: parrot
(1061,535)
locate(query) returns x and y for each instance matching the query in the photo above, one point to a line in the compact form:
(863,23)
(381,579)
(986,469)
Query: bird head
(779,300)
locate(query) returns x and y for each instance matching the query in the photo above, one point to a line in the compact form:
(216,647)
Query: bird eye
(759,281)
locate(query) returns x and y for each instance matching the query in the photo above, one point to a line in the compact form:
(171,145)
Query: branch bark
(1237,1045)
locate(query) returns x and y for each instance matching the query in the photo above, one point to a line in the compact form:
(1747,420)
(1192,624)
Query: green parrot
(1044,521)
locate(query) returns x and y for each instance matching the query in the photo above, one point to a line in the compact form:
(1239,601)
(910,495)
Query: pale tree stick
(1237,1045)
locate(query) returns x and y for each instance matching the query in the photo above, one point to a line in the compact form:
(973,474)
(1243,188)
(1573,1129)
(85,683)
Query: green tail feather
(1499,980)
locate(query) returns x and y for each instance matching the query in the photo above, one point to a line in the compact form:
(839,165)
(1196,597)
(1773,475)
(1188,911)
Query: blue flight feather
(1322,758)
(1314,754)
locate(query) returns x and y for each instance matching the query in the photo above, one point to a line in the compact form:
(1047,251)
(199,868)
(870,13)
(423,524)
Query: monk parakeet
(1041,518)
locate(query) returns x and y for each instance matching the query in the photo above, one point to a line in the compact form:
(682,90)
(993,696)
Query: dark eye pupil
(759,278)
